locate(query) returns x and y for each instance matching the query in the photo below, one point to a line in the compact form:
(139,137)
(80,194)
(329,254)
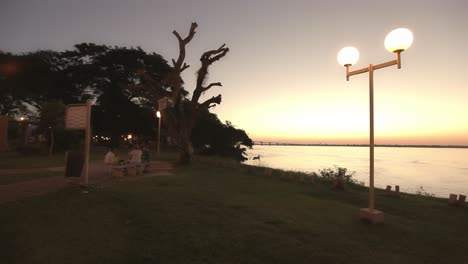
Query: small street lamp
(396,42)
(158,115)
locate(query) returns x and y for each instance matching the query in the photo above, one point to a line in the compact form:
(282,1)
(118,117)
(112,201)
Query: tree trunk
(3,132)
(52,141)
(115,139)
(185,145)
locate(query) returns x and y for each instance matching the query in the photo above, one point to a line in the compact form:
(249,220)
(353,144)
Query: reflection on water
(439,170)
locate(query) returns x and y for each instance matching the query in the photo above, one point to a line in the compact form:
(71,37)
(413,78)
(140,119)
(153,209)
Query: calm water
(439,170)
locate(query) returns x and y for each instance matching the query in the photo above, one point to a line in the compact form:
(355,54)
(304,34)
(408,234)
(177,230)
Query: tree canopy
(125,85)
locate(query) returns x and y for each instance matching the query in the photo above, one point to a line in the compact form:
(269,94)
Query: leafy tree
(111,73)
(211,137)
(21,79)
(64,85)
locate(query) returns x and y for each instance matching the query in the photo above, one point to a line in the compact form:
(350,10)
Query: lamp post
(396,42)
(158,115)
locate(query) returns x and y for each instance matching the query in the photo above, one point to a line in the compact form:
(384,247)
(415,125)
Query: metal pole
(159,133)
(87,142)
(371,138)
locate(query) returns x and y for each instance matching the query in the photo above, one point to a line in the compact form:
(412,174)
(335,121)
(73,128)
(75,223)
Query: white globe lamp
(398,40)
(348,56)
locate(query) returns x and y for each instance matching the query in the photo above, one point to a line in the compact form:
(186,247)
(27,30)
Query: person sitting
(109,157)
(145,156)
(134,156)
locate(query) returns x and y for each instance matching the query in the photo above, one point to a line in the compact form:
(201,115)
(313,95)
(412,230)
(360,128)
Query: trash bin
(74,163)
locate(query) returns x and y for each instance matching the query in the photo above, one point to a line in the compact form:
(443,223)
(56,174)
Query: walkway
(98,172)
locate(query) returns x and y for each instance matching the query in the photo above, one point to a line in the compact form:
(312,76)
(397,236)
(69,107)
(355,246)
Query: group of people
(137,154)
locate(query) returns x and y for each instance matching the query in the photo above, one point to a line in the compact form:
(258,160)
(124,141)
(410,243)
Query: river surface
(439,171)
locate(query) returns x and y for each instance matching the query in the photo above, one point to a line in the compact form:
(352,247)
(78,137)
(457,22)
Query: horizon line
(268,143)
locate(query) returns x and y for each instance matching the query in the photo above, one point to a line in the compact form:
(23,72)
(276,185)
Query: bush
(422,192)
(337,173)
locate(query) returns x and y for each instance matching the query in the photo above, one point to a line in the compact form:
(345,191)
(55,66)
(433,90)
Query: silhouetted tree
(108,73)
(182,116)
(23,80)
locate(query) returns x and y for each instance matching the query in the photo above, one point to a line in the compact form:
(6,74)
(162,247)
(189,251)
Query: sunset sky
(281,80)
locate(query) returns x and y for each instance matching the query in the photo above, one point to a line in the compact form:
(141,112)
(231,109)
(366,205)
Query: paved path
(98,172)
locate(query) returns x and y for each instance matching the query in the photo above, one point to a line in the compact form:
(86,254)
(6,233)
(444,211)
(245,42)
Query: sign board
(76,116)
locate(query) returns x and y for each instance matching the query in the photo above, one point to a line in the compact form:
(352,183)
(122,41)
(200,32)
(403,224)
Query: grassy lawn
(19,177)
(210,214)
(13,160)
(17,161)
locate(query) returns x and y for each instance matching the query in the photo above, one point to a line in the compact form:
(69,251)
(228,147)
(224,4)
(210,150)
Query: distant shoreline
(359,145)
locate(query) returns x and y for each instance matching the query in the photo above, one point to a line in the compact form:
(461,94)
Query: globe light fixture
(158,114)
(396,41)
(348,56)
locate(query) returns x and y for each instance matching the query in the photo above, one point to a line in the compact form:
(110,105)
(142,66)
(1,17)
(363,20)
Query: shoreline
(359,145)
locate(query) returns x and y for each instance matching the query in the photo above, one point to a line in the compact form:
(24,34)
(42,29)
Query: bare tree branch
(182,44)
(206,60)
(180,65)
(222,53)
(200,90)
(185,66)
(177,36)
(211,85)
(213,100)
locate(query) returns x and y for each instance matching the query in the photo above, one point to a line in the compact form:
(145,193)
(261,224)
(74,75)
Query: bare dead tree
(182,116)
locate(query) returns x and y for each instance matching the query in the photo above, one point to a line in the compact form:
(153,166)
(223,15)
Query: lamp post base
(371,216)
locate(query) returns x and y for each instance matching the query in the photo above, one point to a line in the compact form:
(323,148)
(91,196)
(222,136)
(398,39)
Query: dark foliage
(124,84)
(112,75)
(211,137)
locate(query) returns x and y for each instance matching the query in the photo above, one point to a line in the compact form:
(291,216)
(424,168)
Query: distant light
(399,39)
(22,118)
(158,114)
(129,136)
(348,56)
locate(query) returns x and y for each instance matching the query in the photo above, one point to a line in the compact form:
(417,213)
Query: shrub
(423,192)
(337,173)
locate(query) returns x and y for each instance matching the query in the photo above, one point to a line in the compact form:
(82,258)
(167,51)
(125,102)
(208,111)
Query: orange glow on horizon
(403,118)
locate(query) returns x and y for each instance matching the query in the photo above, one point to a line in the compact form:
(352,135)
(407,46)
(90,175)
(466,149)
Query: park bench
(457,202)
(131,169)
(389,192)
